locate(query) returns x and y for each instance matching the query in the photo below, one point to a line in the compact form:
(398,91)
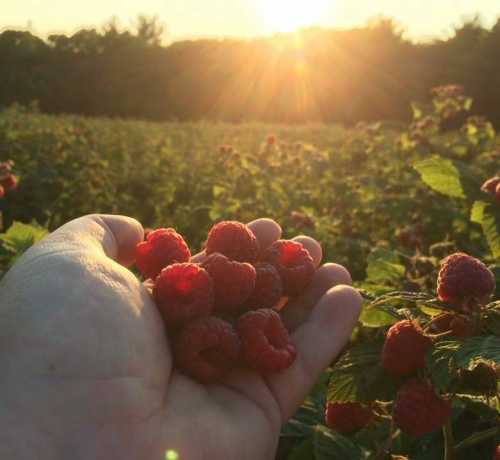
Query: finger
(298,309)
(116,236)
(318,341)
(312,246)
(267,231)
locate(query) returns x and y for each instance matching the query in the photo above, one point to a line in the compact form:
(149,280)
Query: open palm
(86,368)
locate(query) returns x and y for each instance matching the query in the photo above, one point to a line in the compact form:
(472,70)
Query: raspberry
(294,264)
(183,292)
(268,288)
(2,192)
(10,182)
(418,410)
(496,455)
(497,193)
(490,185)
(460,326)
(162,247)
(265,341)
(465,282)
(233,282)
(234,240)
(207,349)
(347,418)
(405,349)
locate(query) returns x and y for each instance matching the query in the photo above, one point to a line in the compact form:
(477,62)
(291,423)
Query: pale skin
(86,369)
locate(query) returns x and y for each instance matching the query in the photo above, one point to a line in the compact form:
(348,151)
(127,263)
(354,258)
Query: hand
(86,368)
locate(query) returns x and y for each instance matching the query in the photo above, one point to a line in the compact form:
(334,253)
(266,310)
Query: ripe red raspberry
(162,247)
(459,326)
(2,192)
(497,193)
(268,287)
(207,349)
(347,418)
(233,282)
(496,455)
(465,282)
(265,341)
(418,410)
(294,264)
(234,240)
(490,185)
(10,182)
(183,292)
(405,349)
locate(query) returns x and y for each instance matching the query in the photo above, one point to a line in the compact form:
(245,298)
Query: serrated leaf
(20,237)
(303,422)
(491,227)
(441,363)
(441,175)
(383,266)
(377,317)
(358,376)
(329,445)
(486,347)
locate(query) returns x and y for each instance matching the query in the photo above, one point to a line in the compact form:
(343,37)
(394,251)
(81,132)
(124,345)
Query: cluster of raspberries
(465,284)
(8,181)
(492,187)
(221,311)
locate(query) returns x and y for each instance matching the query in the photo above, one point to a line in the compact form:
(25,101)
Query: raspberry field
(388,201)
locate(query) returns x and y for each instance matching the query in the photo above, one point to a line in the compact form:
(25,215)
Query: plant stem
(449,442)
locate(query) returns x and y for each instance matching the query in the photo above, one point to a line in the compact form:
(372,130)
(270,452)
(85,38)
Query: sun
(290,15)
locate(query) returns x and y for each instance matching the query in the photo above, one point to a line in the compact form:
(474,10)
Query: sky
(422,19)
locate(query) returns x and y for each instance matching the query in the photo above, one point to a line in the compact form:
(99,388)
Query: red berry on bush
(10,182)
(268,287)
(207,349)
(465,282)
(347,418)
(459,326)
(234,240)
(496,455)
(2,192)
(405,349)
(233,283)
(497,193)
(183,292)
(294,264)
(265,341)
(162,247)
(418,410)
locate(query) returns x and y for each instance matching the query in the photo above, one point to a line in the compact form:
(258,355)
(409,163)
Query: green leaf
(491,320)
(491,227)
(441,363)
(477,212)
(486,347)
(303,451)
(329,445)
(20,237)
(377,317)
(358,376)
(383,266)
(441,175)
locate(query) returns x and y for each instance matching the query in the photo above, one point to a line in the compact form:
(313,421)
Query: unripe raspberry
(418,410)
(490,185)
(265,341)
(459,326)
(183,292)
(465,282)
(347,418)
(294,264)
(234,240)
(162,247)
(405,349)
(234,282)
(207,349)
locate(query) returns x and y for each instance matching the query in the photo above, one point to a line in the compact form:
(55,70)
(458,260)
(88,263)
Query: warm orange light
(289,15)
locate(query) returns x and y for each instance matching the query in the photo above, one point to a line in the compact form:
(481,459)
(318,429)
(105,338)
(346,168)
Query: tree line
(368,73)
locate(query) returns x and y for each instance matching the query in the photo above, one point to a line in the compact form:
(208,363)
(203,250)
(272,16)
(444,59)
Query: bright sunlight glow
(289,15)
